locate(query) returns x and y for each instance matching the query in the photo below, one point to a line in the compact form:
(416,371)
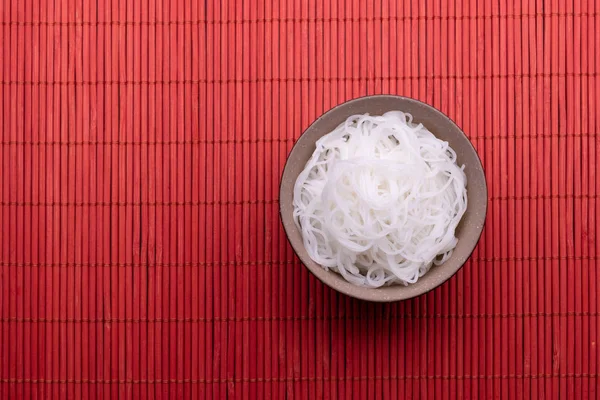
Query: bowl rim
(364,293)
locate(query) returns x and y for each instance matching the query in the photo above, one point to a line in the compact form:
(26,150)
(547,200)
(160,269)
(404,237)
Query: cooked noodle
(380,199)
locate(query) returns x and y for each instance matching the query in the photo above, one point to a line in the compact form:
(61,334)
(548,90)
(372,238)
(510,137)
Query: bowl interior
(468,231)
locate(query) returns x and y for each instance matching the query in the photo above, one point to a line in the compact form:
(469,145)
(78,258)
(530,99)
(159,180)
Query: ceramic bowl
(468,231)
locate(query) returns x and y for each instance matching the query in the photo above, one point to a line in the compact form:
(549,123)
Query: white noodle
(380,199)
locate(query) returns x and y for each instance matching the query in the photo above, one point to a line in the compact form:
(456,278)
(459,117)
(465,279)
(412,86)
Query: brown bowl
(468,230)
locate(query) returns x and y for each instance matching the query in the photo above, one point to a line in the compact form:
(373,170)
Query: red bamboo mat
(141,253)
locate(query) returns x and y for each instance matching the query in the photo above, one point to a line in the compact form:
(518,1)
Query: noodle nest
(379,200)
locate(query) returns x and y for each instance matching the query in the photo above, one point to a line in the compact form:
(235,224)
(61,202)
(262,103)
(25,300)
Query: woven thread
(75,143)
(303,20)
(298,80)
(148,264)
(294,318)
(249,202)
(141,203)
(261,262)
(146,143)
(299,379)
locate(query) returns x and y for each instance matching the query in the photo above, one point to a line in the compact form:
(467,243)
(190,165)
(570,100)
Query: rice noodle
(380,199)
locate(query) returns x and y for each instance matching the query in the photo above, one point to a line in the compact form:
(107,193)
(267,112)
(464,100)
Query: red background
(141,254)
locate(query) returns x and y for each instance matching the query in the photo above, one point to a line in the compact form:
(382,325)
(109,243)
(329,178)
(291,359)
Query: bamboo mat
(141,253)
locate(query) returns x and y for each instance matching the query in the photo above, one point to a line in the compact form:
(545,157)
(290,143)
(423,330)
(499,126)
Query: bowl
(468,231)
